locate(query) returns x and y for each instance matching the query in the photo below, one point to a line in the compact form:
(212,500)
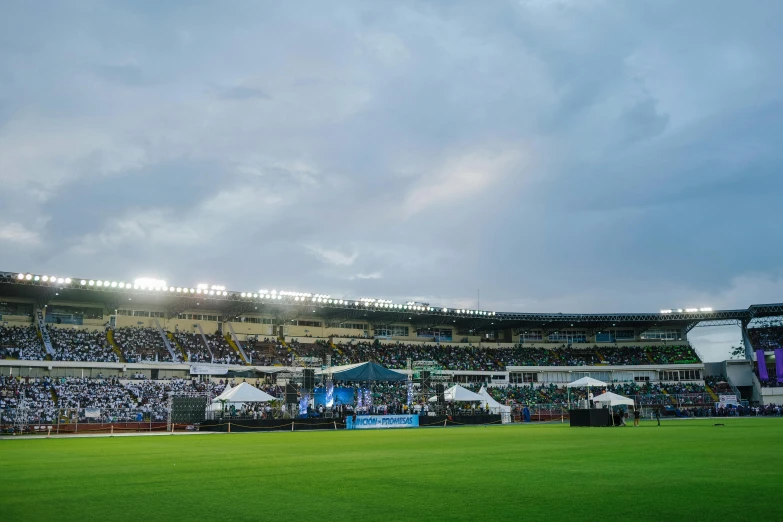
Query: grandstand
(54,328)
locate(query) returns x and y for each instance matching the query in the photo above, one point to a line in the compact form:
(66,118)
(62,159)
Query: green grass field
(682,470)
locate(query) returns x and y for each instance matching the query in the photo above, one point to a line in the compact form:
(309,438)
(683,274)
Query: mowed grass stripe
(684,469)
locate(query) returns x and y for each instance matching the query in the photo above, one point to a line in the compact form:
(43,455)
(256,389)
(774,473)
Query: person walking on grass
(636,414)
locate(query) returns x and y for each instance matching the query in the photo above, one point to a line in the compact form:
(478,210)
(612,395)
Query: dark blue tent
(369,371)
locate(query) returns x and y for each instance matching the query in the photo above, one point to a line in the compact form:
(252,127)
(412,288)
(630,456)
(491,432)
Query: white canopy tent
(459,394)
(244,393)
(585,382)
(612,399)
(495,406)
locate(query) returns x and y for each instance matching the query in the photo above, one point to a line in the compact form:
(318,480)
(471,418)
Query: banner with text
(204,369)
(364,422)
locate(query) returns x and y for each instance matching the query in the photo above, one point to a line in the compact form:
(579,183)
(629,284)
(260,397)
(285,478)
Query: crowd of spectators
(81,345)
(37,394)
(21,342)
(140,344)
(451,357)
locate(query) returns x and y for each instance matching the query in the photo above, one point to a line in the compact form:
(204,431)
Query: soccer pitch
(681,470)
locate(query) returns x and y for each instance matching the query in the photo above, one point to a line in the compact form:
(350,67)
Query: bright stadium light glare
(20,276)
(60,280)
(691,310)
(98,283)
(67,280)
(114,284)
(28,277)
(82,282)
(149,282)
(36,278)
(706,309)
(92,283)
(667,311)
(242,294)
(445,310)
(46,278)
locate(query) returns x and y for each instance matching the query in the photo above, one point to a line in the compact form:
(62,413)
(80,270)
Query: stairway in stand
(177,345)
(114,346)
(671,398)
(43,334)
(601,357)
(234,347)
(713,395)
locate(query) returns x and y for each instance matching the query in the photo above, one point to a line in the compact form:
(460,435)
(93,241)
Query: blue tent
(369,371)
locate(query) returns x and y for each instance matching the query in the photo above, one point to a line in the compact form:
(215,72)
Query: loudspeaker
(440,389)
(309,379)
(290,394)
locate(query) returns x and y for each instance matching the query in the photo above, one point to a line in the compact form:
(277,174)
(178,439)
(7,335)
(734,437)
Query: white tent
(459,394)
(612,399)
(586,381)
(495,406)
(244,393)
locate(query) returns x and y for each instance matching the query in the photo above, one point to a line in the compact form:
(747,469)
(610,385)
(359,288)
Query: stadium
(90,357)
(379,261)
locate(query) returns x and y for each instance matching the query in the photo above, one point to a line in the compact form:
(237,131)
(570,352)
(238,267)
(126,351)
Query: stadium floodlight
(149,282)
(445,310)
(114,284)
(46,278)
(273,292)
(98,283)
(20,276)
(28,277)
(67,280)
(91,283)
(202,286)
(82,282)
(706,309)
(691,310)
(667,311)
(243,294)
(225,293)
(36,278)
(172,289)
(211,292)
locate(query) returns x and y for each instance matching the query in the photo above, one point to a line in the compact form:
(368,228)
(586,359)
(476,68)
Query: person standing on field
(636,414)
(658,416)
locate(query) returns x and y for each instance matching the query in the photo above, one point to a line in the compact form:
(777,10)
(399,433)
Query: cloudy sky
(575,156)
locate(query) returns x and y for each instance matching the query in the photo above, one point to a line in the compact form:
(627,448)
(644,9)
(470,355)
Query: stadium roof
(334,311)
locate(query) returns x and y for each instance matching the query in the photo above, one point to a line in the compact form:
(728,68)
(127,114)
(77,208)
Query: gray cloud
(560,156)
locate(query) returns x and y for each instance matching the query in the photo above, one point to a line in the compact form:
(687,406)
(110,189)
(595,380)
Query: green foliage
(683,470)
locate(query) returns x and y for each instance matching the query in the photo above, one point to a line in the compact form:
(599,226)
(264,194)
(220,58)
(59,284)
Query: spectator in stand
(21,342)
(142,345)
(81,345)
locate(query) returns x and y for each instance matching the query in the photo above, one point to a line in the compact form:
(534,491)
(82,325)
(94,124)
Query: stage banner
(779,364)
(92,413)
(204,369)
(364,422)
(762,362)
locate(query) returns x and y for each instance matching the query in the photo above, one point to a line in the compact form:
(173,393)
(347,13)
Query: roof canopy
(612,399)
(369,371)
(244,393)
(586,381)
(459,394)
